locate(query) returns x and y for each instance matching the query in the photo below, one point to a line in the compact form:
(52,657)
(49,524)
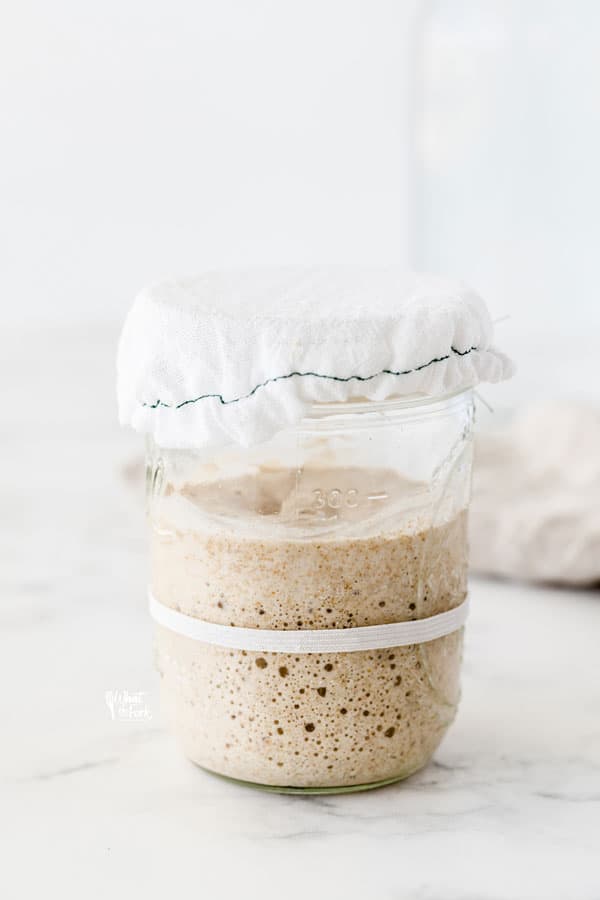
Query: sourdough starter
(266,552)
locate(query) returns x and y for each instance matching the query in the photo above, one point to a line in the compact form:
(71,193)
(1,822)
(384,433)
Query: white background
(146,139)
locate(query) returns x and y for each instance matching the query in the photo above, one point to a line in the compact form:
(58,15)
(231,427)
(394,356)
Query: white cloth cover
(535,512)
(233,357)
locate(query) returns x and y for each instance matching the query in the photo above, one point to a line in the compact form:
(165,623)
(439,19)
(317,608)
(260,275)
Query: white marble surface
(91,807)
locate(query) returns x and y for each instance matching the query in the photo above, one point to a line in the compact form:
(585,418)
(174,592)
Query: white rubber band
(324,640)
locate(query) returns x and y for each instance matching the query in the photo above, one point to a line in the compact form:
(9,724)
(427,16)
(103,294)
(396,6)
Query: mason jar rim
(412,403)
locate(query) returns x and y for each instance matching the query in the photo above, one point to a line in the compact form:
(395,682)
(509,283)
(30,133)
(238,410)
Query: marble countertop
(96,806)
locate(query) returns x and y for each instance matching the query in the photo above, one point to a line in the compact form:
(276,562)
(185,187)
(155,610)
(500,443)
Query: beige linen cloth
(535,513)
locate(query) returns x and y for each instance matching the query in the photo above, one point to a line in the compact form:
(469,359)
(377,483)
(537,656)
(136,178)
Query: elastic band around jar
(323,640)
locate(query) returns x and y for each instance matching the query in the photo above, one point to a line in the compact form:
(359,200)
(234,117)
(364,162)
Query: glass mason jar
(355,517)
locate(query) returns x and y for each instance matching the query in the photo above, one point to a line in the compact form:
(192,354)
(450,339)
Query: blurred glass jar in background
(507,182)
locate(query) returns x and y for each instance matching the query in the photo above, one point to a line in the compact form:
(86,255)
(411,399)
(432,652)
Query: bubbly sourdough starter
(304,720)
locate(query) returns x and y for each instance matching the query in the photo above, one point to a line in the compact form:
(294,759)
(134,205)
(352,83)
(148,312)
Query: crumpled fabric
(234,357)
(535,510)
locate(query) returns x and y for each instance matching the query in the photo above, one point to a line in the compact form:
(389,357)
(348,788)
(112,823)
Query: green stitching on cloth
(251,393)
